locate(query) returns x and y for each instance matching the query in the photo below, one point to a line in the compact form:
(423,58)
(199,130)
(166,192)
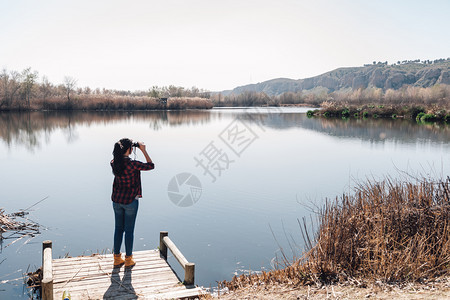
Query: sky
(211,44)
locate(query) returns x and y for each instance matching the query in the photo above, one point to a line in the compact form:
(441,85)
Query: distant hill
(379,75)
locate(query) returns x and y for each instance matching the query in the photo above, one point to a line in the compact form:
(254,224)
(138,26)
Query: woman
(125,194)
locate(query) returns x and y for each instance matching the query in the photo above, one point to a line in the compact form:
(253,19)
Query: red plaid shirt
(128,186)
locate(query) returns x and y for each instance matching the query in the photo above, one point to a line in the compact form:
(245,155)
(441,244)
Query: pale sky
(215,45)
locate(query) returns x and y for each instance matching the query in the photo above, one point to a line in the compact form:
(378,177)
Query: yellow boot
(118,260)
(129,262)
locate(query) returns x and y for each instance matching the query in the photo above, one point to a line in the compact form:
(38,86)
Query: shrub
(345,113)
(394,116)
(356,115)
(428,118)
(310,113)
(419,116)
(365,114)
(375,116)
(326,114)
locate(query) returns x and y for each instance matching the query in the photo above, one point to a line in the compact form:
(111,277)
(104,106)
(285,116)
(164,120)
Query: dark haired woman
(126,191)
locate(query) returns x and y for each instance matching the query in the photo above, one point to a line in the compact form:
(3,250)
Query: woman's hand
(142,146)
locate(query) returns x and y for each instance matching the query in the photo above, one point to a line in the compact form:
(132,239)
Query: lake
(230,185)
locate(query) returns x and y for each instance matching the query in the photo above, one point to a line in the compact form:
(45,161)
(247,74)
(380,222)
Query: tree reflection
(33,128)
(30,129)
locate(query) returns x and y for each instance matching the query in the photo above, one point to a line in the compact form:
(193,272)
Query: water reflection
(32,129)
(376,130)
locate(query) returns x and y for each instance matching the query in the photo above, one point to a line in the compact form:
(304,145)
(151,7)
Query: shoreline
(434,290)
(419,113)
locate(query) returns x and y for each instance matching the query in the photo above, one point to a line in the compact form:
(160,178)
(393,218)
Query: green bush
(375,116)
(380,106)
(326,114)
(428,118)
(345,113)
(419,116)
(365,114)
(394,116)
(310,113)
(356,115)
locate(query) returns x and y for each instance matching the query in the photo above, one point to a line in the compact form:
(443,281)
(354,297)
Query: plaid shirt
(128,186)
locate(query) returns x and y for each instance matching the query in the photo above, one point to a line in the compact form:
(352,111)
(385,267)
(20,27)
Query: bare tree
(4,80)
(45,89)
(69,85)
(29,79)
(9,84)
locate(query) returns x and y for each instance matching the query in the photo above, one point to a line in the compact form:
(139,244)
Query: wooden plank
(176,252)
(87,259)
(143,293)
(109,255)
(107,267)
(168,274)
(166,294)
(105,264)
(177,294)
(103,286)
(157,287)
(98,283)
(133,294)
(106,256)
(92,271)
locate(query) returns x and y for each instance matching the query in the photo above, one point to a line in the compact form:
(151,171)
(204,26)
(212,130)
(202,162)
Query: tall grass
(388,230)
(114,102)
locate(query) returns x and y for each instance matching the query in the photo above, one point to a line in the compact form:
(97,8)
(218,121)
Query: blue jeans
(125,216)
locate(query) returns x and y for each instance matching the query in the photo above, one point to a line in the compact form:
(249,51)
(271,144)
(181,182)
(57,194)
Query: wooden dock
(95,277)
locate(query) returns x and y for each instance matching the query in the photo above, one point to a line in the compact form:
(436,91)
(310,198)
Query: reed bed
(390,231)
(113,102)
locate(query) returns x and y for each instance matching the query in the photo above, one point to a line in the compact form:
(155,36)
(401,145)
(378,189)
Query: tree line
(404,62)
(437,95)
(27,90)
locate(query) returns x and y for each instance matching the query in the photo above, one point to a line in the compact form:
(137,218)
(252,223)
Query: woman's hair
(120,148)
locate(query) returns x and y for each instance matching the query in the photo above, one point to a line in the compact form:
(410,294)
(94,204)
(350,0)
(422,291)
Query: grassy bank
(420,113)
(388,231)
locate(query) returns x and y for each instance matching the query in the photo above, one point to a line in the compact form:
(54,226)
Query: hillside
(379,75)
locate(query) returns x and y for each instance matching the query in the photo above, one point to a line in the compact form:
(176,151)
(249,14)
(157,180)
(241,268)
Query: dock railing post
(162,245)
(47,271)
(189,268)
(189,271)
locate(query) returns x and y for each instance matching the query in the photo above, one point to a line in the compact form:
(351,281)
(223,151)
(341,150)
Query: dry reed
(102,102)
(13,228)
(389,230)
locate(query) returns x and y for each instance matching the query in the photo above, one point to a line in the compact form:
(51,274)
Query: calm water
(262,170)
